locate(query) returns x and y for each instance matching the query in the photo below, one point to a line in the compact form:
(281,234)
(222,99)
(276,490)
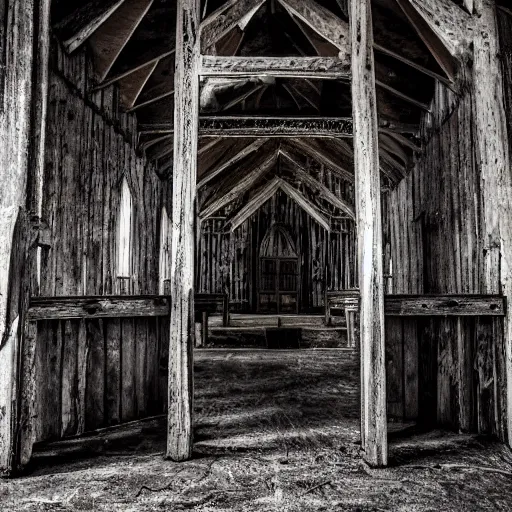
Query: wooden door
(279,280)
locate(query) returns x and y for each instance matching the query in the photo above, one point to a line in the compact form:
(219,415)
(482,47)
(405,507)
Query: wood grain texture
(284,67)
(186,125)
(369,226)
(324,22)
(494,166)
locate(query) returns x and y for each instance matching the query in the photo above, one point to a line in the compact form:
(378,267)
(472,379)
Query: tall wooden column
(369,229)
(186,125)
(23,98)
(496,173)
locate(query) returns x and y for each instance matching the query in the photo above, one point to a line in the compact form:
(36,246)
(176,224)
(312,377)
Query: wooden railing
(414,306)
(122,306)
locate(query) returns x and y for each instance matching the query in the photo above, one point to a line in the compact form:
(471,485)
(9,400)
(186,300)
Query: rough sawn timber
(369,227)
(283,67)
(186,123)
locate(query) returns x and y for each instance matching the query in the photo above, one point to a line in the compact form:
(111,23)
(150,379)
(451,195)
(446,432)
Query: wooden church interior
(268,161)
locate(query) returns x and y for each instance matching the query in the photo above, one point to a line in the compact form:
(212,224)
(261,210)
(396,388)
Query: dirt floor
(275,431)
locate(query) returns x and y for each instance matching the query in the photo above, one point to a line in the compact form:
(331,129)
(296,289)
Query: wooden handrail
(425,305)
(118,306)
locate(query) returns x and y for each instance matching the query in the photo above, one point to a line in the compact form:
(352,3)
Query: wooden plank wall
(453,367)
(229,262)
(101,372)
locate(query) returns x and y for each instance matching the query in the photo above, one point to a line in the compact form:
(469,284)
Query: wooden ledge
(427,305)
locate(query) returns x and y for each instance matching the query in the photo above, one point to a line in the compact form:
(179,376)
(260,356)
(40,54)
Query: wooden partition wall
(108,370)
(444,371)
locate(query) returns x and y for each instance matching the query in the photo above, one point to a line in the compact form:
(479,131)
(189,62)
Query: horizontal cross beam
(286,67)
(252,126)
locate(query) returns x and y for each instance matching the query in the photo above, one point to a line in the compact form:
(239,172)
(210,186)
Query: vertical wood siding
(101,372)
(433,238)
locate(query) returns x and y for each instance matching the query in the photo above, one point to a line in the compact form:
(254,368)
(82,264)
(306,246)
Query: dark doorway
(278,287)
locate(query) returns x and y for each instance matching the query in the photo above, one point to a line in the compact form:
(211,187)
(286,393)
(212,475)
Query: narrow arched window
(125,233)
(165,251)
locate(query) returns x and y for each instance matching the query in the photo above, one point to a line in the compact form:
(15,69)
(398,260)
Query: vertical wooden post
(22,126)
(186,124)
(369,228)
(494,162)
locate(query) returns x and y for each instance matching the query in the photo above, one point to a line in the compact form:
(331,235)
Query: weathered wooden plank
(411,367)
(444,305)
(253,126)
(493,162)
(369,228)
(394,368)
(186,124)
(113,370)
(321,189)
(242,185)
(16,106)
(69,378)
(95,390)
(224,19)
(285,67)
(322,21)
(109,39)
(81,23)
(66,308)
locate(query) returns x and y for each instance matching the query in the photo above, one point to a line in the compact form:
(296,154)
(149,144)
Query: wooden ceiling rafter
(230,189)
(130,90)
(109,39)
(267,192)
(324,22)
(309,147)
(76,28)
(437,46)
(226,18)
(300,171)
(217,169)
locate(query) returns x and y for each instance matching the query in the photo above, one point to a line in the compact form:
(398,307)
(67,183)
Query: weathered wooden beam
(231,160)
(252,126)
(452,24)
(160,84)
(241,186)
(23,106)
(444,305)
(323,22)
(390,53)
(110,38)
(285,67)
(494,160)
(255,203)
(130,89)
(320,189)
(186,124)
(72,308)
(82,23)
(226,18)
(311,149)
(435,44)
(402,96)
(369,230)
(305,204)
